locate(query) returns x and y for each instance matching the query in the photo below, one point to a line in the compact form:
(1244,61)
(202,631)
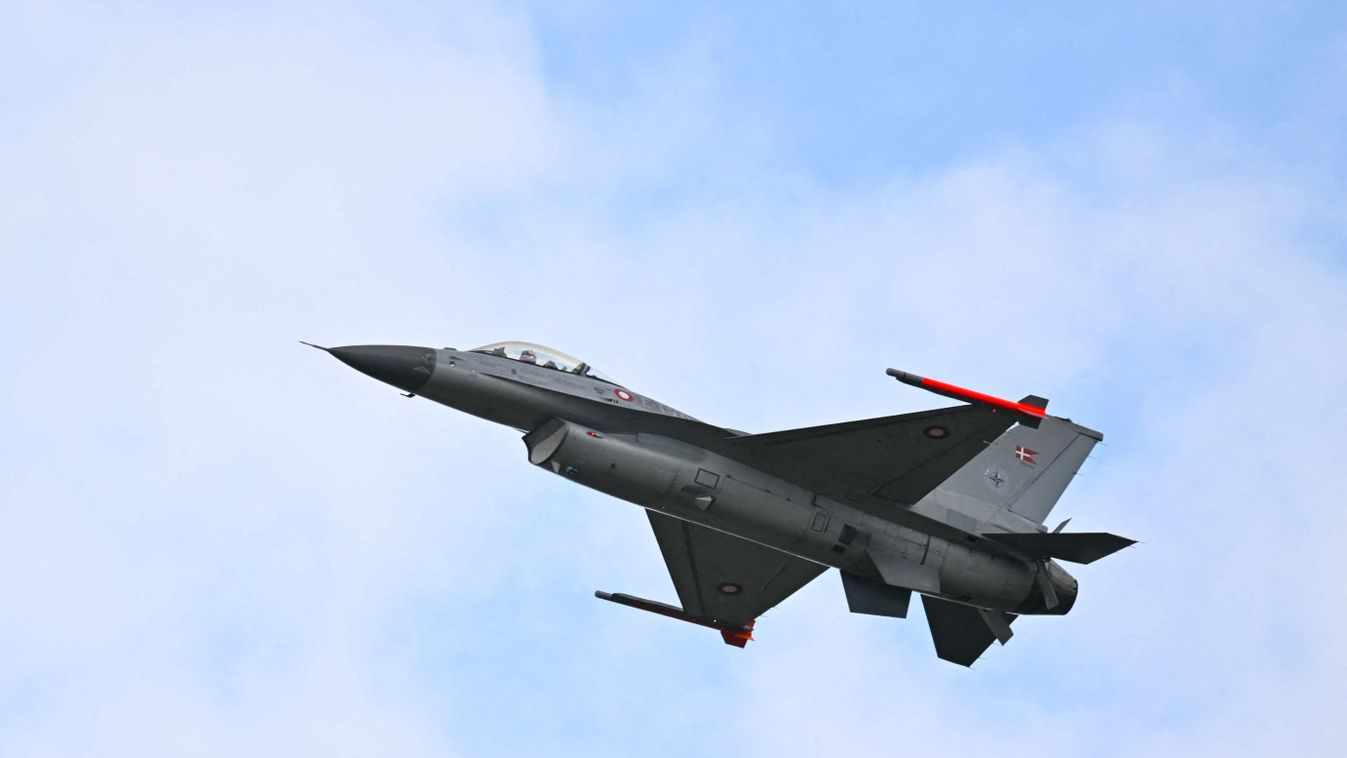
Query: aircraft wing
(898,458)
(724,579)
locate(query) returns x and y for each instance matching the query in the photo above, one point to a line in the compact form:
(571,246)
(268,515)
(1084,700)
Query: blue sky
(214,541)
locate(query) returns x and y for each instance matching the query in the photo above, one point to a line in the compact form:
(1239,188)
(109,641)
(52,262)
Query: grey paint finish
(962,633)
(925,502)
(1076,547)
(897,458)
(725,579)
(1019,477)
(901,572)
(405,367)
(875,598)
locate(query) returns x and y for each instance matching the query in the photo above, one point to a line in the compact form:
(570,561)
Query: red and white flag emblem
(1025,454)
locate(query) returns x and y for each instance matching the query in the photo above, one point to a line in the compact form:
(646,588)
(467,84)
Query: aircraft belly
(983,578)
(689,483)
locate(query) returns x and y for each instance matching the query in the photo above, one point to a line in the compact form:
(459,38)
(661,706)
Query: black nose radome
(403,366)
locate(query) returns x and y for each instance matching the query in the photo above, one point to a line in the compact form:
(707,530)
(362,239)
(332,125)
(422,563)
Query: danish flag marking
(1025,454)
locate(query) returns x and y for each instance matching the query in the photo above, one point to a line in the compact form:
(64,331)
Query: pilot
(528,357)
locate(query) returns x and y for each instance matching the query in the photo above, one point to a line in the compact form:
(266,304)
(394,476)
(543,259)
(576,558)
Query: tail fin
(1025,470)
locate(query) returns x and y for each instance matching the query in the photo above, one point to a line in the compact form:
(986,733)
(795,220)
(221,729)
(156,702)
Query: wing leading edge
(897,458)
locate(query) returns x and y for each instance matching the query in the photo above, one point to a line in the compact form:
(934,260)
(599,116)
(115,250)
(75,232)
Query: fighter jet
(947,503)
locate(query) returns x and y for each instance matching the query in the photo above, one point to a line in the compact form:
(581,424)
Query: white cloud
(216,541)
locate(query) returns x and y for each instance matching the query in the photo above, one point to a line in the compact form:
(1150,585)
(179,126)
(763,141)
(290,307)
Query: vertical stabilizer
(1025,470)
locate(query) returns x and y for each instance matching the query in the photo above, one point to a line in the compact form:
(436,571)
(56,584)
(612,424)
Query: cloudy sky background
(214,541)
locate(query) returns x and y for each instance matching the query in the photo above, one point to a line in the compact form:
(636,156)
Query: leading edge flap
(898,458)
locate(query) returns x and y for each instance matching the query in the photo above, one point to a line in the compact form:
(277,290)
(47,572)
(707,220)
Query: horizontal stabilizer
(1076,547)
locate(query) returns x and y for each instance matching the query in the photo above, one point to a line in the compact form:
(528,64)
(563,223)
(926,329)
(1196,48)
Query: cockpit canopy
(540,355)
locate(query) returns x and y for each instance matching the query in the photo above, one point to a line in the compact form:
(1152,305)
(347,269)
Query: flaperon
(949,503)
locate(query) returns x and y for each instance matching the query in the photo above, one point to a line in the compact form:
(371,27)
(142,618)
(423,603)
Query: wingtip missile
(905,377)
(738,636)
(1029,411)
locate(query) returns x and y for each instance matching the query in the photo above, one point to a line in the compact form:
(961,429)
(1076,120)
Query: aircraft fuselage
(635,448)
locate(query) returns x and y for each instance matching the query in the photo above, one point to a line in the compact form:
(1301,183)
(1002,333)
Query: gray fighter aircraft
(948,503)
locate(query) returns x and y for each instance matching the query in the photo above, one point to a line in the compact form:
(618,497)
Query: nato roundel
(625,395)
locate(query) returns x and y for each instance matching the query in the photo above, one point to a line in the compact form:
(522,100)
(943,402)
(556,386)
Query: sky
(215,541)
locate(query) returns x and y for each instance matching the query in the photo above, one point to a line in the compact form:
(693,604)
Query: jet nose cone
(406,367)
